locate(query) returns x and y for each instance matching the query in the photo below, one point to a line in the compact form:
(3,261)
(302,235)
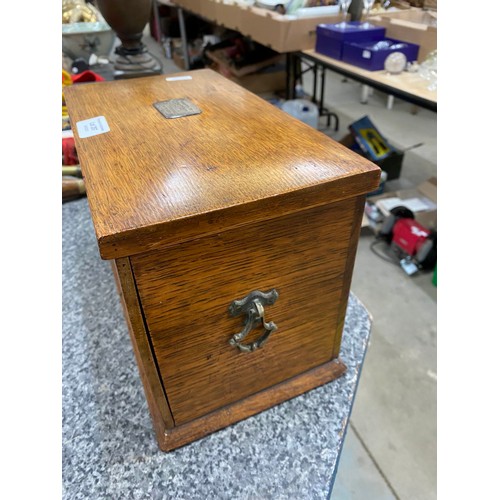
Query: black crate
(392,164)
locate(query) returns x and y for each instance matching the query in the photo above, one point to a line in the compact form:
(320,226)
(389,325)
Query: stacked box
(413,25)
(372,55)
(330,38)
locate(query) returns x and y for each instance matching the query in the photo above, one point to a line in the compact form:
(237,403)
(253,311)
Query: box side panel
(229,15)
(207,9)
(349,267)
(264,26)
(186,291)
(158,405)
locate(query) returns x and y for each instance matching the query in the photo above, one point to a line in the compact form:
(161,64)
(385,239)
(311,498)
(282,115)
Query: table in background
(407,86)
(109,448)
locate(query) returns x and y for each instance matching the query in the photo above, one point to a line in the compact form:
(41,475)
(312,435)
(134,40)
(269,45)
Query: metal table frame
(321,65)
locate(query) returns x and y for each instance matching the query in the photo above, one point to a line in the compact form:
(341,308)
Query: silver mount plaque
(177,108)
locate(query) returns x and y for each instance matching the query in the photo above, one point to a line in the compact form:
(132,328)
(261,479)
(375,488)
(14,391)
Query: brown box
(218,55)
(264,26)
(232,234)
(191,5)
(412,25)
(258,83)
(262,82)
(281,33)
(265,76)
(229,15)
(203,8)
(208,10)
(178,59)
(393,11)
(430,5)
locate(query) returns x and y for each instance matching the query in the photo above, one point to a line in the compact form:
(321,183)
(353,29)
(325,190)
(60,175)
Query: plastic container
(306,111)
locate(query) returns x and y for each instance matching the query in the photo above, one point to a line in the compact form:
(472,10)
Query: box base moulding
(186,433)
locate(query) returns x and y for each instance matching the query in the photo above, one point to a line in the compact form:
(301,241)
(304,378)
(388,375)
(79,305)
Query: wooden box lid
(153,181)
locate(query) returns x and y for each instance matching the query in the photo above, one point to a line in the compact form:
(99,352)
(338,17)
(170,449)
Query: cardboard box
(178,59)
(267,75)
(271,79)
(413,25)
(262,82)
(229,15)
(413,14)
(203,8)
(301,34)
(423,196)
(191,5)
(378,10)
(218,54)
(279,32)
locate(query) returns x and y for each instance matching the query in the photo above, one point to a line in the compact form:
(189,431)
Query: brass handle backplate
(253,306)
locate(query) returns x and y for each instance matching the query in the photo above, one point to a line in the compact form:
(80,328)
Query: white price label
(92,126)
(178,78)
(367,54)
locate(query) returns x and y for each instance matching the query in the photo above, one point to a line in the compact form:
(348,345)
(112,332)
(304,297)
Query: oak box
(232,231)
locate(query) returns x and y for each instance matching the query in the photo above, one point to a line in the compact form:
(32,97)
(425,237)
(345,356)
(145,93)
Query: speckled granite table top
(109,451)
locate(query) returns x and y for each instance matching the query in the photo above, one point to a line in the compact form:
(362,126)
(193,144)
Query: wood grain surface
(357,215)
(186,291)
(222,417)
(153,388)
(152,181)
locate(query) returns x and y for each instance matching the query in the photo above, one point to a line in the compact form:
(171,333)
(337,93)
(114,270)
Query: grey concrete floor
(390,448)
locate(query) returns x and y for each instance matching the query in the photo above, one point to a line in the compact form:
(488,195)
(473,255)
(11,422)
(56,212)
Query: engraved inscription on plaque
(177,108)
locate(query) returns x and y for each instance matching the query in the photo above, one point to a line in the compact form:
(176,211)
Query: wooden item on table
(232,233)
(72,188)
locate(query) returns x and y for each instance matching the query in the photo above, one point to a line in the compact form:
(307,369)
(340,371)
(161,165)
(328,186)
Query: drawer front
(186,290)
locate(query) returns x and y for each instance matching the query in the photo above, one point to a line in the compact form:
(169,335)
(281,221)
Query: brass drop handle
(253,306)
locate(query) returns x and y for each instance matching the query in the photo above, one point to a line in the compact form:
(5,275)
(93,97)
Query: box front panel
(186,291)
